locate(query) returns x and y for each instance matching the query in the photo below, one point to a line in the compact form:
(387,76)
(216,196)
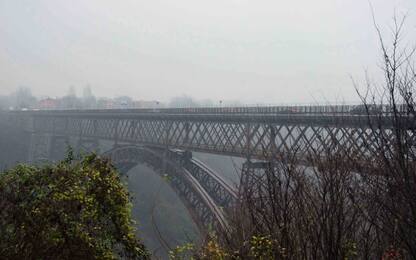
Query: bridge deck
(235,132)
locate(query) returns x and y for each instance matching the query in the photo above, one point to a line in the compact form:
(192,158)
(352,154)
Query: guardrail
(302,109)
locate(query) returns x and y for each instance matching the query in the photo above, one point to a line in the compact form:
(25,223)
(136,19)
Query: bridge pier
(58,147)
(252,173)
(39,149)
(47,147)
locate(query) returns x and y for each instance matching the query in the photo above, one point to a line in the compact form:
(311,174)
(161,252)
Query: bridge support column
(47,147)
(40,148)
(248,139)
(272,145)
(58,147)
(253,173)
(187,132)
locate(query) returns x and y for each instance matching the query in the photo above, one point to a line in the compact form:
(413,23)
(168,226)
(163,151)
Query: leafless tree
(391,188)
(341,203)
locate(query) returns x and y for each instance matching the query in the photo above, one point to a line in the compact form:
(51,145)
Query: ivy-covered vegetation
(71,210)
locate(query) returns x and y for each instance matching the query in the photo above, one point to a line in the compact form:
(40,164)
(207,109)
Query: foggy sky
(270,51)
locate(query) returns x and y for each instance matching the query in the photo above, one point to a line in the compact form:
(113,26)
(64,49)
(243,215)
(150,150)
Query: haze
(254,51)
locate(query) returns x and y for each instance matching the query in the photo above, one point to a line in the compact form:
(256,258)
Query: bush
(72,210)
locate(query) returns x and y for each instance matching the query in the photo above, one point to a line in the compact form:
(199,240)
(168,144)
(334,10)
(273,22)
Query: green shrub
(71,210)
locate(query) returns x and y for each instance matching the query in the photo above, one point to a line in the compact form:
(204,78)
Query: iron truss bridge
(165,138)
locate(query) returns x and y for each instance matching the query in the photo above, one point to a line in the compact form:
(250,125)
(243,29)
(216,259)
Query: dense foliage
(72,210)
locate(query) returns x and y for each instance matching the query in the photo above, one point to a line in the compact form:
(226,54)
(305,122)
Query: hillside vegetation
(70,210)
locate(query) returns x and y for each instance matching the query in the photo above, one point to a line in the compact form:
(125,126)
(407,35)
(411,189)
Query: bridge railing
(290,109)
(301,109)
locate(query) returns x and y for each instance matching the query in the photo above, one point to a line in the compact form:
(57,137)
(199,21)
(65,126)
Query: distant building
(48,104)
(104,103)
(146,104)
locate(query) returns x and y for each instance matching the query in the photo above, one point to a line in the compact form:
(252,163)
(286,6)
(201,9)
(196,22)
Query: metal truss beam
(243,135)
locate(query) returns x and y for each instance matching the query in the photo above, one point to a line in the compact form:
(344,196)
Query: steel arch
(205,209)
